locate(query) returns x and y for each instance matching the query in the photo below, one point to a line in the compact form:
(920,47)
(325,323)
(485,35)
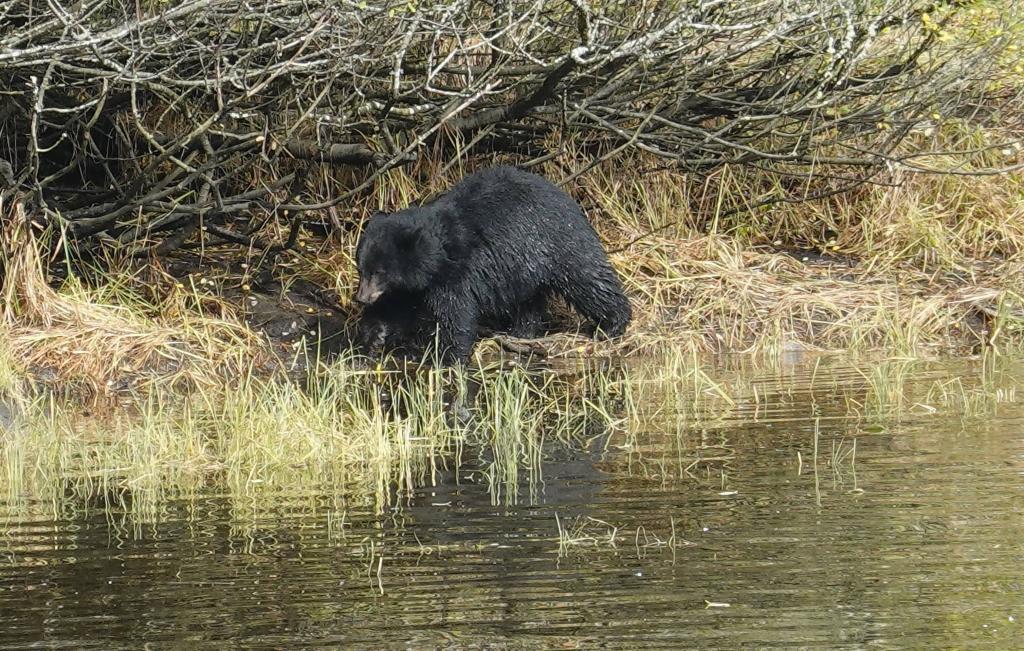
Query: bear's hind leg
(528,321)
(596,292)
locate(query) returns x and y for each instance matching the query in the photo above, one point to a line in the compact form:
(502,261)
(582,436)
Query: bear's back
(507,197)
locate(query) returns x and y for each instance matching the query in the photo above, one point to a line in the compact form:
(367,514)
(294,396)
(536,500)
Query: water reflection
(722,530)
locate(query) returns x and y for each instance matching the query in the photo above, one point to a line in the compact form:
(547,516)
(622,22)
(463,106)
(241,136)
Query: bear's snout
(369,291)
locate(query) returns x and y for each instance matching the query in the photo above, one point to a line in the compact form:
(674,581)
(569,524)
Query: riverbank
(919,266)
(141,379)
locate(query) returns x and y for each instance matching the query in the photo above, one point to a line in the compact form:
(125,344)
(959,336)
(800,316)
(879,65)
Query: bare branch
(131,122)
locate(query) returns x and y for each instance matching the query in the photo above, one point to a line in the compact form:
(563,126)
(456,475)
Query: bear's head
(396,254)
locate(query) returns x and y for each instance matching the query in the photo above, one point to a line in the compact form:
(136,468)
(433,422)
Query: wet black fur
(488,252)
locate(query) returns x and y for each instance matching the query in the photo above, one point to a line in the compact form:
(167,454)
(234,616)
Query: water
(904,530)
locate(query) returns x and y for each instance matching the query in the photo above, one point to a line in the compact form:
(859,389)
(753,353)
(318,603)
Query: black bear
(488,252)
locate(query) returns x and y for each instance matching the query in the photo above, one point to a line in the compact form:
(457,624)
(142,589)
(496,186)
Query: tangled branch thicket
(141,122)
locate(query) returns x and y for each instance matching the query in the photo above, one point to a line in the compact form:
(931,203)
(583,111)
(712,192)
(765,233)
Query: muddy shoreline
(299,305)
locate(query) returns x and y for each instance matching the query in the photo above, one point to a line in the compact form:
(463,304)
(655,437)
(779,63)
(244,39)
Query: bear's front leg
(457,329)
(456,337)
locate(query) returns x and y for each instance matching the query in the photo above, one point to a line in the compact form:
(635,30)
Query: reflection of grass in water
(886,394)
(266,439)
(371,438)
(899,388)
(514,404)
(686,394)
(263,440)
(993,387)
(667,406)
(587,533)
(836,462)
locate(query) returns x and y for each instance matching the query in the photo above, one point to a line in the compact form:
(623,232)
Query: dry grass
(927,263)
(96,342)
(723,296)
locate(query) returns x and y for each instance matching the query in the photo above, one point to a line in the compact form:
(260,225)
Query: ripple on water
(911,540)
